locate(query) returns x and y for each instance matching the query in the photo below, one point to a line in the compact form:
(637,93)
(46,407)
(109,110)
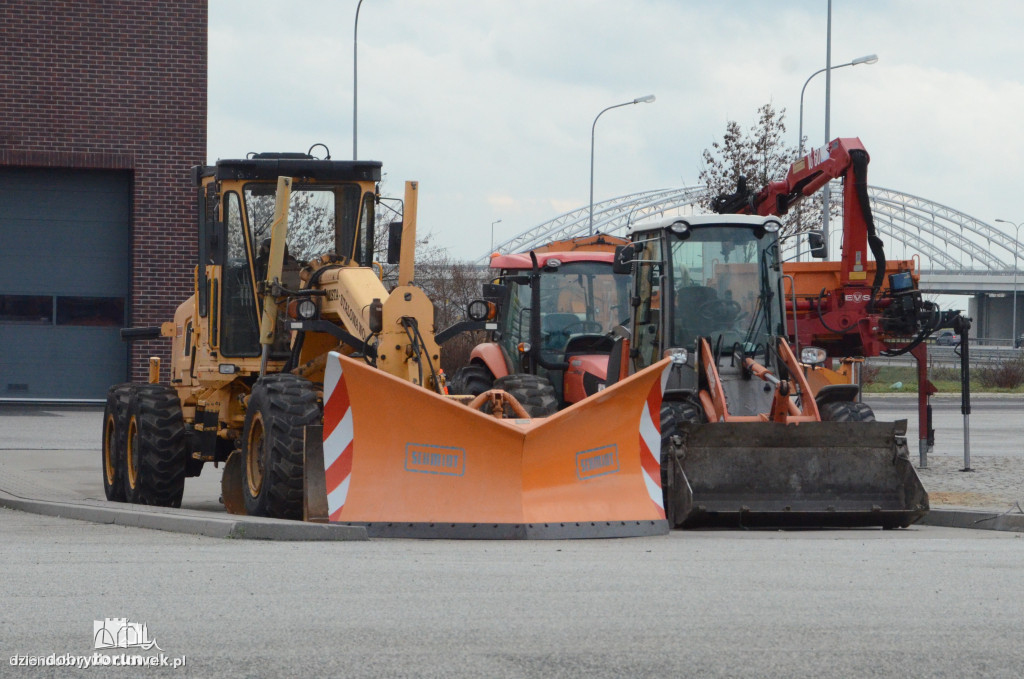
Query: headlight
(813,355)
(679,228)
(772,225)
(480,310)
(303,309)
(306,309)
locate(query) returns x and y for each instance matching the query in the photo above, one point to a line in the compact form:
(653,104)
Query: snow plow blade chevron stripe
(406,462)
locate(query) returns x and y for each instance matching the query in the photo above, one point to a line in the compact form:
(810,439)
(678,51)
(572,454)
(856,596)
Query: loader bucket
(406,462)
(813,474)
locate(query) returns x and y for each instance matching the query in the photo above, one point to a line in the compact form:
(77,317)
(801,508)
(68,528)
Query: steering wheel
(583,328)
(721,311)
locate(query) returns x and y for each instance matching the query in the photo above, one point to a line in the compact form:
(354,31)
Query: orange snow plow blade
(406,462)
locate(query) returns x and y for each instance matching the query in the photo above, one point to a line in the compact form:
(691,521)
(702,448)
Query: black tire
(846,411)
(155,447)
(473,380)
(115,422)
(533,392)
(674,413)
(279,409)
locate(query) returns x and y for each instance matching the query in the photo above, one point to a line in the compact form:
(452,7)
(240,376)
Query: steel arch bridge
(946,240)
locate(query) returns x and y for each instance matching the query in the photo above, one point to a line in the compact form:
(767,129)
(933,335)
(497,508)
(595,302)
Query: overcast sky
(489,103)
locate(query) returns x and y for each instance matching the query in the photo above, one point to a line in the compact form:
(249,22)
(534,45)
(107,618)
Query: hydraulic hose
(419,346)
(859,164)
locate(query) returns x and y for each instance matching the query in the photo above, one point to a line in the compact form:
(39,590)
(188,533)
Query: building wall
(116,84)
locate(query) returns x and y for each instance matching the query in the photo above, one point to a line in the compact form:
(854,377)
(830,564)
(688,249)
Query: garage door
(64,271)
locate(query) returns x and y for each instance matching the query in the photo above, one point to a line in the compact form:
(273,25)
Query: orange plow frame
(406,462)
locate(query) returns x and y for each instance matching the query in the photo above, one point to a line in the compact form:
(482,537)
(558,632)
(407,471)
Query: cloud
(490,103)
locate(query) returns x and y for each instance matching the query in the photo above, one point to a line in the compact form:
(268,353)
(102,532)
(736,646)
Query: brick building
(102,114)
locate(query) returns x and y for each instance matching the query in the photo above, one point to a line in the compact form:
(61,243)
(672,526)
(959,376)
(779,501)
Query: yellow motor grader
(319,389)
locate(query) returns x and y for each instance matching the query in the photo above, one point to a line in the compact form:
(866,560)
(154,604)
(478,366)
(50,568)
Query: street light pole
(639,100)
(866,59)
(355,76)
(497,221)
(826,193)
(1016,243)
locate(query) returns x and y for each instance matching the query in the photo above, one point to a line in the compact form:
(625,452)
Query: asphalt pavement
(919,602)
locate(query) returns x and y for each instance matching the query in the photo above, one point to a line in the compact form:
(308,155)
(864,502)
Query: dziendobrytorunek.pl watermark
(97,660)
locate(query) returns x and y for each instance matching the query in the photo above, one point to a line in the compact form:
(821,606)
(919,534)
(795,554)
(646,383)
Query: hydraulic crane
(856,306)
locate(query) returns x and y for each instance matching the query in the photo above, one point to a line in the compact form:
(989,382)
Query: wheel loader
(552,316)
(319,390)
(745,438)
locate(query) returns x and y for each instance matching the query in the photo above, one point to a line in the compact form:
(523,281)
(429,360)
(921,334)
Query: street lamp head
(869,59)
(646,99)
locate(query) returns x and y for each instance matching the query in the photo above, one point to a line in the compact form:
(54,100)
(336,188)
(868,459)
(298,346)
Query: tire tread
(534,393)
(162,450)
(290,403)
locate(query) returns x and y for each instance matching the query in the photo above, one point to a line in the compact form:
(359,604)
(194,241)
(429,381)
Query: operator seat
(553,327)
(686,312)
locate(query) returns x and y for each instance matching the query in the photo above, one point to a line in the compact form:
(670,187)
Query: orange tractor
(553,314)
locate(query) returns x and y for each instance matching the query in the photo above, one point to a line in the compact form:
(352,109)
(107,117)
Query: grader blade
(814,474)
(231,485)
(406,462)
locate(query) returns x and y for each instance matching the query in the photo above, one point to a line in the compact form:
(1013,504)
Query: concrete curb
(970,518)
(187,521)
(194,522)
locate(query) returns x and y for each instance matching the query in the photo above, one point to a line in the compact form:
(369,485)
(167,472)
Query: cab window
(239,332)
(321,219)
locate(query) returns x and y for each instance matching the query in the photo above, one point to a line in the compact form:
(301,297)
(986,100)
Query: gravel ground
(995,482)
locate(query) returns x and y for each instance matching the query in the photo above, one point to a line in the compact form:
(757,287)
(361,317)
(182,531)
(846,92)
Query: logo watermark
(97,660)
(108,634)
(119,633)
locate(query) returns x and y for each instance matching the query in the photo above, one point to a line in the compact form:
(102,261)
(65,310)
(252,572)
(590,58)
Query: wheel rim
(132,442)
(254,456)
(109,446)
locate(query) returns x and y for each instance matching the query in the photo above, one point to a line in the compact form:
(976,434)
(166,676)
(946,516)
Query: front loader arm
(792,400)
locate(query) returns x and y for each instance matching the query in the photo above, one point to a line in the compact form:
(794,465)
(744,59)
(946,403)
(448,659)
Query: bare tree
(310,220)
(449,283)
(760,155)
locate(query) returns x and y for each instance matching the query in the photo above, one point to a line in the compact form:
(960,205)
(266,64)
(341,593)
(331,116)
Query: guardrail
(946,356)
